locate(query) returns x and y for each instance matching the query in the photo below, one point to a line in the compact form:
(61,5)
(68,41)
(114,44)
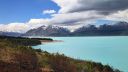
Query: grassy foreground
(16,55)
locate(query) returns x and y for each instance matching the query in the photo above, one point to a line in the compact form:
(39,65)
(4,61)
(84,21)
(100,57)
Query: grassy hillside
(17,56)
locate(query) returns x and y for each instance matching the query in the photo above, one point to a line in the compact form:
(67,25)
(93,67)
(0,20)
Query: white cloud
(75,18)
(73,27)
(14,27)
(49,11)
(65,5)
(38,21)
(119,16)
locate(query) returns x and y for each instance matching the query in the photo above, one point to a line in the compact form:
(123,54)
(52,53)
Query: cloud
(73,27)
(14,27)
(119,16)
(49,11)
(75,18)
(68,18)
(103,6)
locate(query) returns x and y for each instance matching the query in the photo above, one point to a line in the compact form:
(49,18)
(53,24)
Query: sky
(23,15)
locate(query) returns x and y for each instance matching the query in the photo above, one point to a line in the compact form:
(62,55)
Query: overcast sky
(22,15)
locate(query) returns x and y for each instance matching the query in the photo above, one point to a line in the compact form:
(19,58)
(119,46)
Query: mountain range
(48,31)
(119,28)
(15,34)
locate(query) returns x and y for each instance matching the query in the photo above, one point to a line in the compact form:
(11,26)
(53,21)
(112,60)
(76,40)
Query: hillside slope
(15,57)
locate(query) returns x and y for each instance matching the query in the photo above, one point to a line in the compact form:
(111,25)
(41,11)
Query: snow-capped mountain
(48,31)
(120,28)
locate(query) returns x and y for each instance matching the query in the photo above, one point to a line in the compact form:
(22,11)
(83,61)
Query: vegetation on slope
(17,57)
(24,41)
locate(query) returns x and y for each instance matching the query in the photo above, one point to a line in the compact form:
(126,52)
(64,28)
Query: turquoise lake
(112,50)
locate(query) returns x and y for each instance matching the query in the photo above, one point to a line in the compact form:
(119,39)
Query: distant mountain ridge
(120,28)
(15,34)
(48,31)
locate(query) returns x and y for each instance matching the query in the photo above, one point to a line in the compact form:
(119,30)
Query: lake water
(112,50)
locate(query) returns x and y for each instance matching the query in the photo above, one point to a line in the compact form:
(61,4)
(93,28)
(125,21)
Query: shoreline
(47,41)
